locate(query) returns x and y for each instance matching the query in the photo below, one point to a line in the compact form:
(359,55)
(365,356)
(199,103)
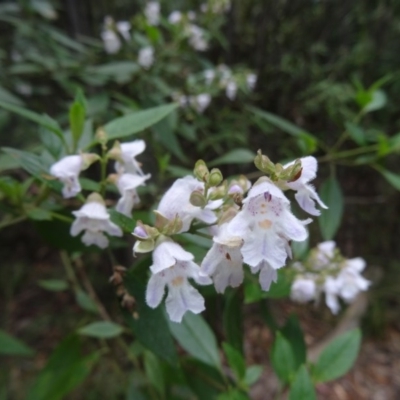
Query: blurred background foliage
(327,83)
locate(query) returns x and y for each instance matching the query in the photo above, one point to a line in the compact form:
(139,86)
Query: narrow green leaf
(293,333)
(302,387)
(101,329)
(282,358)
(85,301)
(378,101)
(125,223)
(133,393)
(392,178)
(12,346)
(356,133)
(39,214)
(9,97)
(233,320)
(252,375)
(76,120)
(55,285)
(197,338)
(235,360)
(237,156)
(338,357)
(330,219)
(137,121)
(154,372)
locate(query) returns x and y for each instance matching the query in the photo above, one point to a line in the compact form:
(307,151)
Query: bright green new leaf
(378,101)
(197,338)
(137,121)
(302,387)
(55,285)
(330,219)
(101,330)
(338,357)
(236,156)
(282,358)
(12,346)
(252,374)
(77,120)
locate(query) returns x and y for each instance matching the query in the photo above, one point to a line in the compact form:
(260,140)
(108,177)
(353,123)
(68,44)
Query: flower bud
(113,178)
(201,171)
(95,198)
(197,199)
(115,152)
(88,159)
(143,246)
(215,177)
(264,164)
(295,171)
(101,135)
(140,232)
(218,193)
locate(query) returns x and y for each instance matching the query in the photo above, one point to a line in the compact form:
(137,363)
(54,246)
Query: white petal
(112,229)
(92,210)
(78,226)
(192,270)
(166,254)
(211,260)
(183,298)
(292,227)
(125,204)
(267,276)
(95,238)
(155,289)
(266,187)
(356,264)
(68,166)
(127,182)
(303,290)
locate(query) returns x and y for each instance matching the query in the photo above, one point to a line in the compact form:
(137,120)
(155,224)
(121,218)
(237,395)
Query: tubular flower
(146,57)
(172,267)
(152,12)
(306,195)
(67,171)
(127,184)
(94,219)
(176,202)
(224,261)
(303,290)
(266,225)
(128,153)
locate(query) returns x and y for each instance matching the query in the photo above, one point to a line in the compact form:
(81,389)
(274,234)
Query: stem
(103,170)
(348,153)
(14,221)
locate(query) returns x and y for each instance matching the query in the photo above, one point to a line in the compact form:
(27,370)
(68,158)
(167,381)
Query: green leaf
(125,223)
(133,393)
(233,320)
(137,121)
(77,120)
(154,372)
(9,97)
(280,123)
(392,178)
(302,386)
(233,394)
(252,375)
(330,219)
(64,371)
(378,101)
(237,156)
(197,338)
(43,120)
(338,357)
(101,330)
(39,214)
(235,360)
(55,285)
(282,358)
(293,333)
(85,301)
(149,325)
(356,133)
(12,346)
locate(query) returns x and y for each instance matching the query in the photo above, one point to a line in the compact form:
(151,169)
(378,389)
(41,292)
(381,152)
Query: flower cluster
(250,225)
(326,270)
(93,217)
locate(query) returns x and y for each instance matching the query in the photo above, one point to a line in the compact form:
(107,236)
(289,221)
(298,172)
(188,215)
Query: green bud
(197,199)
(101,135)
(215,177)
(295,172)
(143,246)
(95,198)
(219,192)
(264,164)
(201,171)
(89,159)
(115,152)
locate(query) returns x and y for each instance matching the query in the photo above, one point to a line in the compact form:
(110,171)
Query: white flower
(201,102)
(224,262)
(94,219)
(128,153)
(191,15)
(123,27)
(152,12)
(111,41)
(67,171)
(306,195)
(322,256)
(209,75)
(268,274)
(331,289)
(303,290)
(197,37)
(266,225)
(175,17)
(176,202)
(350,281)
(127,184)
(231,90)
(225,74)
(251,80)
(146,57)
(172,266)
